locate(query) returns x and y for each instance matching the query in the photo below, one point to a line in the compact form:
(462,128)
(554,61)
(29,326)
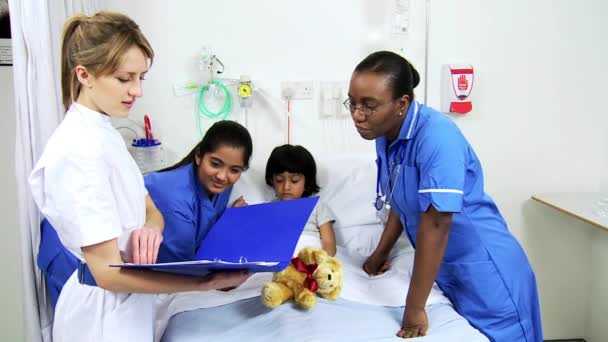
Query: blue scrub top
(485,272)
(187,209)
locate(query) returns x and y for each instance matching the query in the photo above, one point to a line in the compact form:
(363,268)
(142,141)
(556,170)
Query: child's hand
(240,202)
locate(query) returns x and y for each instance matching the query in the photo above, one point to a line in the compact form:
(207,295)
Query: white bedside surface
(581,205)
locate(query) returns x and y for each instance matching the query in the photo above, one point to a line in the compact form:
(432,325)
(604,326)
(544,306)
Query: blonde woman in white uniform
(90,189)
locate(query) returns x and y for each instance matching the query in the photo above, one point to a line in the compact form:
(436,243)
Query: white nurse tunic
(90,189)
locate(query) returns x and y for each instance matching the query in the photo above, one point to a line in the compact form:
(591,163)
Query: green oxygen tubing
(203,110)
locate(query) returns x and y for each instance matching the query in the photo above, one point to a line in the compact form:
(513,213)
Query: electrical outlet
(300,90)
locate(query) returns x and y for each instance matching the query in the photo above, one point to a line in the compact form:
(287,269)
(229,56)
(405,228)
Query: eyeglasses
(366,111)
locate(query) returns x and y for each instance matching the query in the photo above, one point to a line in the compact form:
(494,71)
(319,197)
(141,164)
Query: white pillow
(364,239)
(348,186)
(252,187)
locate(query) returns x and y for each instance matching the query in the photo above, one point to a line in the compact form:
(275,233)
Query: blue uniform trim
(85,276)
(451,191)
(444,202)
(57,263)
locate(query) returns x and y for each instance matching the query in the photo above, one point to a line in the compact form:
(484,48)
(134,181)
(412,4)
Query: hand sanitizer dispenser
(457,84)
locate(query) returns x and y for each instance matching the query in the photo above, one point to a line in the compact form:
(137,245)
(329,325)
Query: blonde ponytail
(70,87)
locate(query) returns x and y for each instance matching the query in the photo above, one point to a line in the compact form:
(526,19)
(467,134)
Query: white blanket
(388,289)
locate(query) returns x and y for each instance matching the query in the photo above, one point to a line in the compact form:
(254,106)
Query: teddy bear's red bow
(309,282)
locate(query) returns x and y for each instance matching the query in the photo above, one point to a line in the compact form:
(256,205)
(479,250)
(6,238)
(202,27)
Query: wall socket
(299,90)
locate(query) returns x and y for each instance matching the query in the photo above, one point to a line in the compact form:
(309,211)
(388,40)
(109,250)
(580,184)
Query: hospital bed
(369,308)
(342,320)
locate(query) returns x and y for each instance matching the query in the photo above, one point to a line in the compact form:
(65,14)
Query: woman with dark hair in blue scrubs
(194,193)
(430,185)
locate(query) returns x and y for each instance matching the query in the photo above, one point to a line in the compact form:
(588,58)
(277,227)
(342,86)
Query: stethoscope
(385,200)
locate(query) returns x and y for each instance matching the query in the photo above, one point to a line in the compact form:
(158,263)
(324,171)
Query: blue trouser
(57,263)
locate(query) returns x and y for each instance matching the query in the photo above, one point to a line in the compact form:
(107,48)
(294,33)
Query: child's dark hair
(293,159)
(222,133)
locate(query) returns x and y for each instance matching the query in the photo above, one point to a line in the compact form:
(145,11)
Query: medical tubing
(198,122)
(204,110)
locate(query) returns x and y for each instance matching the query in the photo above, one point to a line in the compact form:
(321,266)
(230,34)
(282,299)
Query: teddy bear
(312,271)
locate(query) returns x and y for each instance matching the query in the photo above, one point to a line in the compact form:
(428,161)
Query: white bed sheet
(342,320)
(375,302)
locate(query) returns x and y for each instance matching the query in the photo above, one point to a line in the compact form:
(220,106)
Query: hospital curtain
(36,27)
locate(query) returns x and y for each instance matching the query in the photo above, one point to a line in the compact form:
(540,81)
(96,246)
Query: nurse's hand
(224,280)
(375,265)
(414,324)
(240,202)
(144,245)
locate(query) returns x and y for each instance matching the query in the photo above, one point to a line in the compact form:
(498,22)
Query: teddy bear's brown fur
(291,283)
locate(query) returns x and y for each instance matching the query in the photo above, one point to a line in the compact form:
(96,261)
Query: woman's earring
(399,113)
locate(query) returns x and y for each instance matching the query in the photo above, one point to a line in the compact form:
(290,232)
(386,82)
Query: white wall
(11,311)
(598,311)
(538,123)
(272,41)
(604,147)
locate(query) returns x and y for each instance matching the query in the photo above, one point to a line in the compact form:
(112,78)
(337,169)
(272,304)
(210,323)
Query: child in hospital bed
(292,172)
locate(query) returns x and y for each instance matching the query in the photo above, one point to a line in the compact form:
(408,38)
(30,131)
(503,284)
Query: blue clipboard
(258,238)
